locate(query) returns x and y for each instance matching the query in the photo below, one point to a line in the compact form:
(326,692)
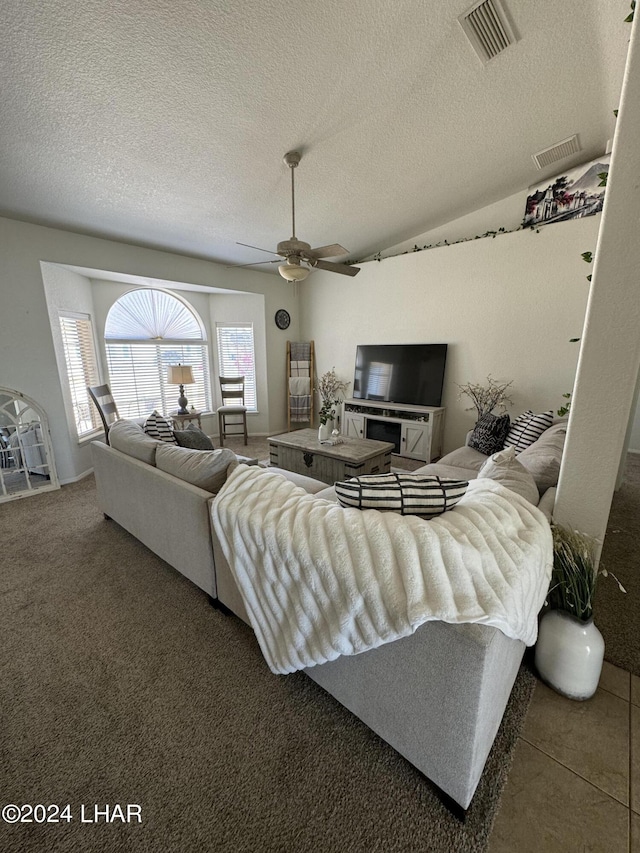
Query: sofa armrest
(168,515)
(547,502)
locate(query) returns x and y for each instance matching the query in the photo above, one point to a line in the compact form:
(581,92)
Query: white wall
(507,213)
(610,352)
(506,306)
(634,438)
(27,352)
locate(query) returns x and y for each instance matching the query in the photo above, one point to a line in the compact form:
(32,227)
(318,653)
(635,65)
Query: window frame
(87,353)
(137,366)
(238,369)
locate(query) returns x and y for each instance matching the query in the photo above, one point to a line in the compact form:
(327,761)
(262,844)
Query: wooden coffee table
(301,452)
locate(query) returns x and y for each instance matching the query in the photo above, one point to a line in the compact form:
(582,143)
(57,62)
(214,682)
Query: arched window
(146,332)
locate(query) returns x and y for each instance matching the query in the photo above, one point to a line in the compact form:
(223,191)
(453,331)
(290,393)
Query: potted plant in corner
(331,390)
(570,648)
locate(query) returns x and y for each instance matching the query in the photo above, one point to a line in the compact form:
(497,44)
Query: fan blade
(343,269)
(332,251)
(255,247)
(254,264)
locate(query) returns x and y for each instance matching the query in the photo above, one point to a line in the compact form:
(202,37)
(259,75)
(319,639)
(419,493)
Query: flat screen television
(412,374)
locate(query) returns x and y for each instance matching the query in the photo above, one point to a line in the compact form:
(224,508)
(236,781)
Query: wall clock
(282,319)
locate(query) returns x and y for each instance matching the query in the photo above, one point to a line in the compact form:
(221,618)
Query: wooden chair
(232,388)
(106,406)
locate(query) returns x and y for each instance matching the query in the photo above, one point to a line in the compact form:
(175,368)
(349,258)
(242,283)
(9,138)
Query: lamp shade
(293,272)
(180,374)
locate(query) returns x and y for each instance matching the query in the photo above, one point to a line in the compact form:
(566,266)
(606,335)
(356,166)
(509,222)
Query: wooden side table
(180,420)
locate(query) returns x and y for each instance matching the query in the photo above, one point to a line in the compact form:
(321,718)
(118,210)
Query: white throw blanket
(319,581)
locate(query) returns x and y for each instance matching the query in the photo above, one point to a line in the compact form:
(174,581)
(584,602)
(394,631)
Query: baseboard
(69,480)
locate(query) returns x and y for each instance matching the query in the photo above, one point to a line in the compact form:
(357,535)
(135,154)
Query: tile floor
(575,782)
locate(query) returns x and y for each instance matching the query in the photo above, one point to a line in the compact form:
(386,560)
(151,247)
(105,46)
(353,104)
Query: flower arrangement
(485,398)
(331,390)
(575,576)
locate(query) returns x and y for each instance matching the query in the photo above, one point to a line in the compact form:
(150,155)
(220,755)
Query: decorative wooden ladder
(300,377)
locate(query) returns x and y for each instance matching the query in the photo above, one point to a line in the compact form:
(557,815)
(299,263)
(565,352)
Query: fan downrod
(292,158)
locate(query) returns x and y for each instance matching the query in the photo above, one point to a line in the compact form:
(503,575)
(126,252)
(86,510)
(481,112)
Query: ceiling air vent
(487,27)
(557,152)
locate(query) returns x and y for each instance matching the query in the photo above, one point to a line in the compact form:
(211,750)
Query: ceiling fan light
(293,272)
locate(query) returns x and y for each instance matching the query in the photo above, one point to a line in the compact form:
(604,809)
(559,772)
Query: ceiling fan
(299,257)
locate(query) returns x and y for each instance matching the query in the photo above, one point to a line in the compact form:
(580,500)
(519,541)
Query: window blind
(236,357)
(138,376)
(148,314)
(146,331)
(82,368)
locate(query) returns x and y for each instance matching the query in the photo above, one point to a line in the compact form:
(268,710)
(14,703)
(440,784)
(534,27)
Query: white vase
(569,654)
(323,432)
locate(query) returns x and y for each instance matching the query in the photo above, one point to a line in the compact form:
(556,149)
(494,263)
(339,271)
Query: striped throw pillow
(408,494)
(158,427)
(526,429)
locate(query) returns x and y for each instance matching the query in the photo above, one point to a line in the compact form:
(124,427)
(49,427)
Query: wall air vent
(557,152)
(487,27)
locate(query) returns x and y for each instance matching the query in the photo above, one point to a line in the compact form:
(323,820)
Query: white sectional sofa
(437,696)
(170,515)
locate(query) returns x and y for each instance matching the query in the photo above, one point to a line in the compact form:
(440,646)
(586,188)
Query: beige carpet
(119,683)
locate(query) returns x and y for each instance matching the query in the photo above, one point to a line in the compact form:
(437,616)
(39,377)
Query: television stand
(416,431)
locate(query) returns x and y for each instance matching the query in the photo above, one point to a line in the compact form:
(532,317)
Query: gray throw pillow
(193,437)
(543,458)
(504,468)
(489,433)
(129,437)
(207,469)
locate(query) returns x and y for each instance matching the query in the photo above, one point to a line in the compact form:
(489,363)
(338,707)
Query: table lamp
(180,374)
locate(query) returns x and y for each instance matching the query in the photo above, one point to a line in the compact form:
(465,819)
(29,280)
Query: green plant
(575,575)
(331,390)
(564,410)
(587,257)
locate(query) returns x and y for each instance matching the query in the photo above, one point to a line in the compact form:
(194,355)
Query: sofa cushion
(193,437)
(159,427)
(489,433)
(527,428)
(464,457)
(542,458)
(504,468)
(408,494)
(207,469)
(449,472)
(129,437)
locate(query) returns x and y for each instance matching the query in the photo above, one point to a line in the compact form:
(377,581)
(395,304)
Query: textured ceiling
(164,123)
